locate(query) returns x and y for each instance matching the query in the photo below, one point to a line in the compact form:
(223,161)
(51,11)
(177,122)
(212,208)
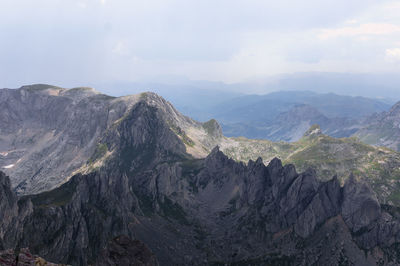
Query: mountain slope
(382,129)
(78,134)
(286,115)
(216,212)
(292,124)
(328,156)
(144,181)
(49,133)
(266,107)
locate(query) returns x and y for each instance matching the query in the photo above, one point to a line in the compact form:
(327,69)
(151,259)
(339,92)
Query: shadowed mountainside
(198,211)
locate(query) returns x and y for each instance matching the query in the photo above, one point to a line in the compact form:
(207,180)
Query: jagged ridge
(218,211)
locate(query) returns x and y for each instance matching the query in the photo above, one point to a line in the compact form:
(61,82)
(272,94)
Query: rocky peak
(213,128)
(313,131)
(76,125)
(217,159)
(168,111)
(360,205)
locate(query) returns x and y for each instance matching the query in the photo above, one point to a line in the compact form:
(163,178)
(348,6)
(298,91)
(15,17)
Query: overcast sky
(74,42)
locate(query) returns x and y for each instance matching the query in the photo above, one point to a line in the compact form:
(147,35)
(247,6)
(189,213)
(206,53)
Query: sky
(78,42)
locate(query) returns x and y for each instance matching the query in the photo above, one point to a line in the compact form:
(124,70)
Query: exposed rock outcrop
(23,257)
(124,251)
(48,133)
(214,210)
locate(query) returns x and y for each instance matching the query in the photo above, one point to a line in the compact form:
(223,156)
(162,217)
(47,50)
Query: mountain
(377,166)
(194,98)
(382,129)
(208,211)
(286,115)
(329,104)
(151,178)
(292,124)
(258,115)
(373,85)
(48,133)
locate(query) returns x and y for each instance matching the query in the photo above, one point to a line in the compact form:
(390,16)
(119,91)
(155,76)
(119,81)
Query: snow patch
(4,153)
(8,166)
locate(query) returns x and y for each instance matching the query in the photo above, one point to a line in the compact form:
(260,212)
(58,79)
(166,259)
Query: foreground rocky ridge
(199,211)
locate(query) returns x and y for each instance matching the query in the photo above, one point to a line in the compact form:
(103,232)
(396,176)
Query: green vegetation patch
(182,134)
(100,151)
(57,197)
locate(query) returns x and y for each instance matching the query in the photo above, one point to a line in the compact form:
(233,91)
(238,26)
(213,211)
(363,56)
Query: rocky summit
(48,133)
(147,195)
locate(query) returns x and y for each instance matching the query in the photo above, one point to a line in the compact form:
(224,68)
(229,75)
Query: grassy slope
(380,167)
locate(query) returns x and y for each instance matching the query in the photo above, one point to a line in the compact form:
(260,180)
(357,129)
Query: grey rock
(122,251)
(188,210)
(360,206)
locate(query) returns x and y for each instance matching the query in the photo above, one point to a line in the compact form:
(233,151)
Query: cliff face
(141,182)
(47,133)
(201,211)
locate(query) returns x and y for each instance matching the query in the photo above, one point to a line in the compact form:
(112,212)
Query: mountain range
(286,115)
(272,115)
(85,168)
(382,129)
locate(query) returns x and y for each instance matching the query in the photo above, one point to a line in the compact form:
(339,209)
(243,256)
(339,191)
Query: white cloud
(363,29)
(217,40)
(393,55)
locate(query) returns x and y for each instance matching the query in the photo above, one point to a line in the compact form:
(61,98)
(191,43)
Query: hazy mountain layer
(286,115)
(382,129)
(291,125)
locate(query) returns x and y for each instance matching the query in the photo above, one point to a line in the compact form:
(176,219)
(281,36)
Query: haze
(95,42)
